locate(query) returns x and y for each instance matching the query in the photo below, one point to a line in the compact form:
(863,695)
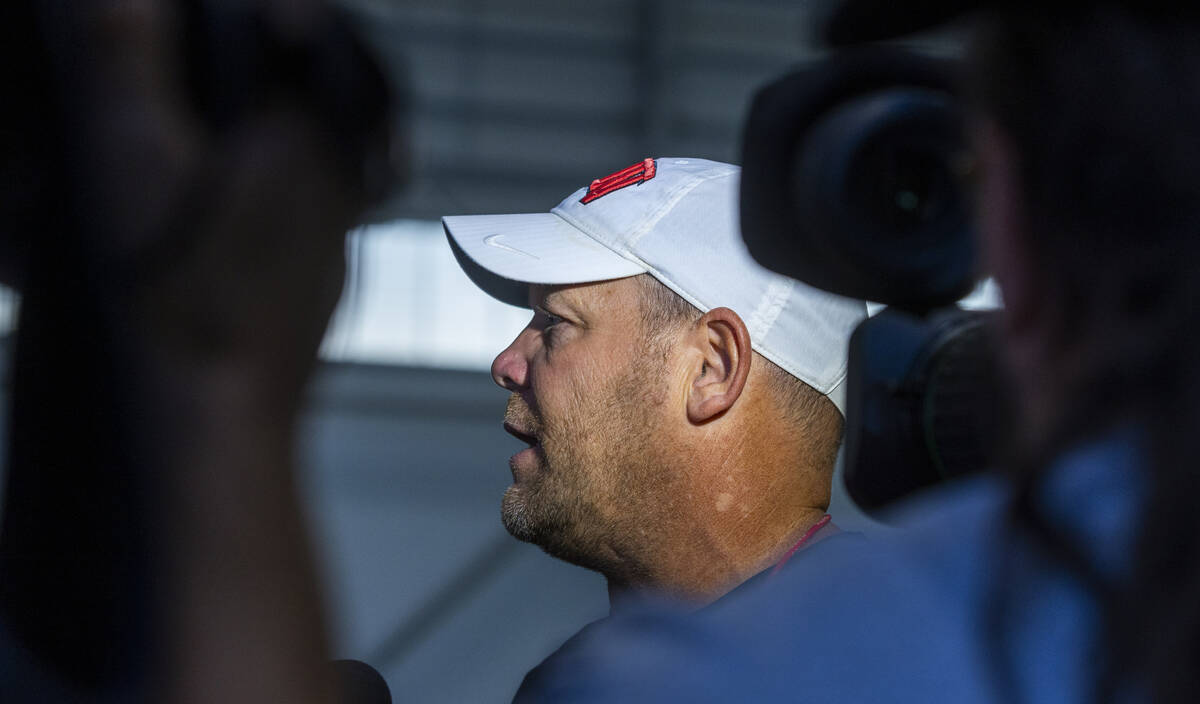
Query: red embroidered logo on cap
(642,171)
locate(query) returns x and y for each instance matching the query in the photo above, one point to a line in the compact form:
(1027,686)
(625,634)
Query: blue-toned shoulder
(813,628)
(899,619)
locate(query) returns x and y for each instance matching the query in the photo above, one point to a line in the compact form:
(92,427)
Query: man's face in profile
(589,391)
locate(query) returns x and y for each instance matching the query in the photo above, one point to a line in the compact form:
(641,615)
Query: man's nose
(510,368)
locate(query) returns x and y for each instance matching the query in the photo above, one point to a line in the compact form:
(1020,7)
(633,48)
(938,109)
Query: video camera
(854,181)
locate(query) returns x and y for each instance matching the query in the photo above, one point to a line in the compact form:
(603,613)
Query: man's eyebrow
(557,300)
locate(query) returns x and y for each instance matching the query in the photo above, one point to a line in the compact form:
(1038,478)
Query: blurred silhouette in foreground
(179,180)
(1074,575)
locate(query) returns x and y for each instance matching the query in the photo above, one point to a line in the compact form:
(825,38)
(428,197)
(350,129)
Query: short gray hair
(802,406)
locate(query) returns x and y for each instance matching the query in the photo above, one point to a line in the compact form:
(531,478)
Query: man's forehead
(541,294)
(584,296)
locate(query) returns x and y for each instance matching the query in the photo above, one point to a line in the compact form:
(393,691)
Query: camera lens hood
(851,179)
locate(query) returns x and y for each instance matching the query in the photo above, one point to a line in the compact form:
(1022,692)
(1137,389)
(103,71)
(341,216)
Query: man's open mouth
(520,434)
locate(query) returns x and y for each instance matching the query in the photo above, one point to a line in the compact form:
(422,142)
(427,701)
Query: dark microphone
(359,683)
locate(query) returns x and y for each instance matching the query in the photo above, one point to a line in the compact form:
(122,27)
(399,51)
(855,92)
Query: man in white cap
(682,404)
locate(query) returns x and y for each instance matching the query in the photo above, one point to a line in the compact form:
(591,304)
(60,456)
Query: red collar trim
(809,539)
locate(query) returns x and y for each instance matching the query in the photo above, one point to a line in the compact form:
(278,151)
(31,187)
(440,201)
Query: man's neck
(700,569)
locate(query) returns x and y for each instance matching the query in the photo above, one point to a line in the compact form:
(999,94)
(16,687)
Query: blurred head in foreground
(1088,136)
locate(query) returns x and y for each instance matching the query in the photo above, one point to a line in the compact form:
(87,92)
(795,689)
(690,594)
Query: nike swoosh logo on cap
(494,241)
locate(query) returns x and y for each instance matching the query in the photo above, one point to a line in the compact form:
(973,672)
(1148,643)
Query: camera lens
(901,187)
(874,181)
(852,179)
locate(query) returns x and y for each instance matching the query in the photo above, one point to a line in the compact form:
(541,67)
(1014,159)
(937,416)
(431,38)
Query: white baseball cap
(677,220)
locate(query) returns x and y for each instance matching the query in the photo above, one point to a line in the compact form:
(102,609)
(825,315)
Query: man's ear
(722,366)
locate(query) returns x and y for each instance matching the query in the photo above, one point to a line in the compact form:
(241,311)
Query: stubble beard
(595,462)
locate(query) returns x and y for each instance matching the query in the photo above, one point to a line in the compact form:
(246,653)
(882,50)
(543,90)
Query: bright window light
(408,302)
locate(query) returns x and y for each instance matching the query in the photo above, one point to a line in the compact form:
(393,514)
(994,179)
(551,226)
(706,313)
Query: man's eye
(551,329)
(548,319)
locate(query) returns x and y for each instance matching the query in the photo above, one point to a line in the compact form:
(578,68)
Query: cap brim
(504,254)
